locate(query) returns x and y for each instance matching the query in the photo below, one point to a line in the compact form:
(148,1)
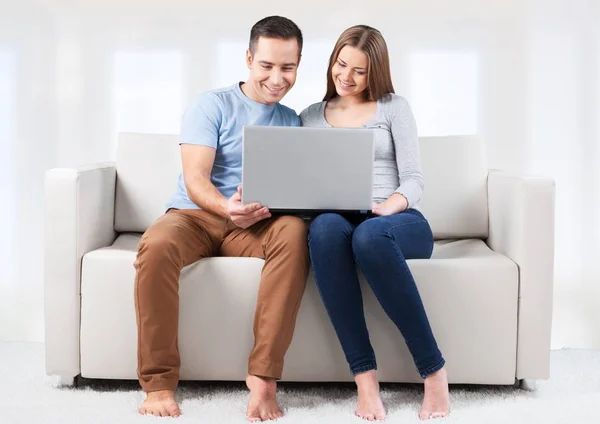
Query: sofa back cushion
(455,178)
(454,171)
(148,166)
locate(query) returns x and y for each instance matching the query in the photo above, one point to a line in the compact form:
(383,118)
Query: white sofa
(487,288)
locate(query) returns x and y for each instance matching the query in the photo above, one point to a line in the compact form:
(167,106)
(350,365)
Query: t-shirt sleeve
(291,118)
(201,121)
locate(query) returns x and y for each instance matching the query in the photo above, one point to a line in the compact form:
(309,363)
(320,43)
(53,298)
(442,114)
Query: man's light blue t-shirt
(215,119)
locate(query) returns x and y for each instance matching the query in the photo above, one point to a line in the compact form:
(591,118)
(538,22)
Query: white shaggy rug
(572,395)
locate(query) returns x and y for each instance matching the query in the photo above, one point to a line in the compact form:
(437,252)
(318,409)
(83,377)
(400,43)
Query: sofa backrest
(454,171)
(148,166)
(455,194)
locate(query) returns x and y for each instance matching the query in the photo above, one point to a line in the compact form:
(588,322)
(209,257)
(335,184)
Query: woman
(360,94)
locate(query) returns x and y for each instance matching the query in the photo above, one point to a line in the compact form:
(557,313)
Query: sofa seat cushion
(469,291)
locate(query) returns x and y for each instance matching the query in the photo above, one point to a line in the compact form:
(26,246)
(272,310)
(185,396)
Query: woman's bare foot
(262,405)
(437,398)
(370,407)
(160,404)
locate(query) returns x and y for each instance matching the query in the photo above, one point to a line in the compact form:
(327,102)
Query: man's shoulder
(287,111)
(226,92)
(217,96)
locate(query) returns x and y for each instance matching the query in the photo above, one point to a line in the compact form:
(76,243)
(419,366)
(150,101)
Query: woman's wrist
(400,201)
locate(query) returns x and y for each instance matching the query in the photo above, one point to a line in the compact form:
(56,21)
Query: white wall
(526,76)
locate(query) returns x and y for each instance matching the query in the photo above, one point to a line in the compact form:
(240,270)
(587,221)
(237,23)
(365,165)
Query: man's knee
(156,246)
(291,227)
(289,235)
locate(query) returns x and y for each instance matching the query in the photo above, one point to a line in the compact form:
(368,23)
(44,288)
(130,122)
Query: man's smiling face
(273,69)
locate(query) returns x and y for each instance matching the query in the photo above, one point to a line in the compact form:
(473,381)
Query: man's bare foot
(160,404)
(437,398)
(262,405)
(370,407)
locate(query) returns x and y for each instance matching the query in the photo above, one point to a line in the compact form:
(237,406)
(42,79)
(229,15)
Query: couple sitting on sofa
(206,218)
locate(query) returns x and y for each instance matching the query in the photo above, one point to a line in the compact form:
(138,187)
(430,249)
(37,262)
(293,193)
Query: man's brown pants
(182,237)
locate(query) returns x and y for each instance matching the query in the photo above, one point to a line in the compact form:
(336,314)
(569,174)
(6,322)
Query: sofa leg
(65,381)
(528,385)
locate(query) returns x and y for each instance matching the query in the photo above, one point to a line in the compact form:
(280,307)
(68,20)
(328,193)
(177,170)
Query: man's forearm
(203,193)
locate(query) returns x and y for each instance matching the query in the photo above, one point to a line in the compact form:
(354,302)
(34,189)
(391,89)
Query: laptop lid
(308,170)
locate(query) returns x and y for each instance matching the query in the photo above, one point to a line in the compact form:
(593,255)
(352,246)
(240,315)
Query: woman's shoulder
(395,106)
(312,114)
(393,102)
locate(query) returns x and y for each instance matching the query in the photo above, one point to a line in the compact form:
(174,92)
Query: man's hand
(245,216)
(394,204)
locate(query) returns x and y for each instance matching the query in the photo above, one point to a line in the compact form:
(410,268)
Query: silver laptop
(308,170)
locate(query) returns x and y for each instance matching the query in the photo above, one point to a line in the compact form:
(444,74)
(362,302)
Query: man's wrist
(224,206)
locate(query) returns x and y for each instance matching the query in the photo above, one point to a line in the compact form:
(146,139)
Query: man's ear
(299,59)
(249,58)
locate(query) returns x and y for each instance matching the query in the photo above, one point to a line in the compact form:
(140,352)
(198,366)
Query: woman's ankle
(367,379)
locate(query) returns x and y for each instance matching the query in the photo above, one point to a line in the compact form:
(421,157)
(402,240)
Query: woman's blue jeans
(380,247)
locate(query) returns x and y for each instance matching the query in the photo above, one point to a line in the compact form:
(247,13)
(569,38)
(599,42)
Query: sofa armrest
(521,226)
(79,215)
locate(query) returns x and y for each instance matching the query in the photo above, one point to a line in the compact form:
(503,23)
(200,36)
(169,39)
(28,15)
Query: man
(206,218)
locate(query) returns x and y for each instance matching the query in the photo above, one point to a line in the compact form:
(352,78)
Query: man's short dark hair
(275,27)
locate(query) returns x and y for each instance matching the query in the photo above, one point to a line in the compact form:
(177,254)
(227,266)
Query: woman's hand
(394,204)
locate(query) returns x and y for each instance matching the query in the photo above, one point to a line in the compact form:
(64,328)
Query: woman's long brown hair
(371,42)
